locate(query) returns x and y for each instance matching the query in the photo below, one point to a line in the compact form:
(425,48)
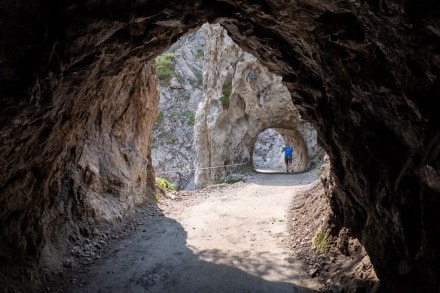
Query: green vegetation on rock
(233,178)
(155,196)
(189,117)
(164,184)
(226,93)
(320,242)
(225,101)
(165,68)
(199,52)
(199,77)
(167,136)
(160,117)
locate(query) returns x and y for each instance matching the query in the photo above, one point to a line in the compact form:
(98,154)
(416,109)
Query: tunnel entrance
(267,151)
(268,156)
(179,71)
(214,100)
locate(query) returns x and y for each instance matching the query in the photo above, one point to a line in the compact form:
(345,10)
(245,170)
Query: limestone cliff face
(173,151)
(363,73)
(242,99)
(267,151)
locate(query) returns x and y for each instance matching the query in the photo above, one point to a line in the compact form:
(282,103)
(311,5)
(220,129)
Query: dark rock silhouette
(76,88)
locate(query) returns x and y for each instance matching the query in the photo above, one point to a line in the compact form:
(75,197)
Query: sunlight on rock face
(234,96)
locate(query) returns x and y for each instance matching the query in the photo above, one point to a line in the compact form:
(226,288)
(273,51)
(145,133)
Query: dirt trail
(222,239)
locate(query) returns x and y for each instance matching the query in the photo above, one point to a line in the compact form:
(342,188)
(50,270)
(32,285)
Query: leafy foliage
(199,77)
(155,196)
(226,93)
(225,101)
(164,184)
(231,179)
(160,117)
(189,117)
(320,242)
(199,52)
(227,87)
(165,68)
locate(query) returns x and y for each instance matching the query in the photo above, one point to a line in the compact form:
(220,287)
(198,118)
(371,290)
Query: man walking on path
(288,153)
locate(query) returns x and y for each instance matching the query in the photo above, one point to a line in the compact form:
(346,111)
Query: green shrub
(165,68)
(199,77)
(217,181)
(320,242)
(160,117)
(199,52)
(189,117)
(226,93)
(227,87)
(155,196)
(167,136)
(231,179)
(164,184)
(225,101)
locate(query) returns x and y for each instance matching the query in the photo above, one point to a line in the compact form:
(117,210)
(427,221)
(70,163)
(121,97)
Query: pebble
(313,272)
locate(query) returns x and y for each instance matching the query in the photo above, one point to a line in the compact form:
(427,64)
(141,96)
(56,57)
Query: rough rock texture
(89,166)
(267,150)
(364,73)
(242,99)
(331,255)
(173,151)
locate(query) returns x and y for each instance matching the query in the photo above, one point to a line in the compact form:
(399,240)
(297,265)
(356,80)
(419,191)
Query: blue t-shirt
(288,151)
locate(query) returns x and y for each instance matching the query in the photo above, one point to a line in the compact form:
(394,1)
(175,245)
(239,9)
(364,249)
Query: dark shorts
(288,160)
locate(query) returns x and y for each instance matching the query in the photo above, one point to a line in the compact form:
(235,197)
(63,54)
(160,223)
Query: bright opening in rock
(267,152)
(179,70)
(213,91)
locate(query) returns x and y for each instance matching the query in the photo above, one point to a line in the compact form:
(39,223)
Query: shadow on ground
(156,258)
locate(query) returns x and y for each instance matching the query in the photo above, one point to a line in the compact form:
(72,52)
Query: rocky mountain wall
(363,73)
(242,99)
(267,151)
(173,151)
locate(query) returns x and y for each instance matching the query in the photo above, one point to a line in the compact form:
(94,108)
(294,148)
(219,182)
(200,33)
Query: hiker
(288,153)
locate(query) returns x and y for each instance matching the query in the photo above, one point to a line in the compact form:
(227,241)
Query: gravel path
(226,238)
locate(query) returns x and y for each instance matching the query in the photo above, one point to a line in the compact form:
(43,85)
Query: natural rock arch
(301,155)
(302,148)
(242,99)
(364,74)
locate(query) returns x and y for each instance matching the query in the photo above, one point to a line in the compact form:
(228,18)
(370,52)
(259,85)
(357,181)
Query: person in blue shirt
(288,155)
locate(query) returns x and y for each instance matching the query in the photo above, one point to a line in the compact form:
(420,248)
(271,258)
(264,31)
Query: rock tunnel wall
(364,73)
(87,163)
(75,144)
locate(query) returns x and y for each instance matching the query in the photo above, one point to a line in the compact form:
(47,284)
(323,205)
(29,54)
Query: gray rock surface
(267,151)
(211,53)
(242,99)
(172,148)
